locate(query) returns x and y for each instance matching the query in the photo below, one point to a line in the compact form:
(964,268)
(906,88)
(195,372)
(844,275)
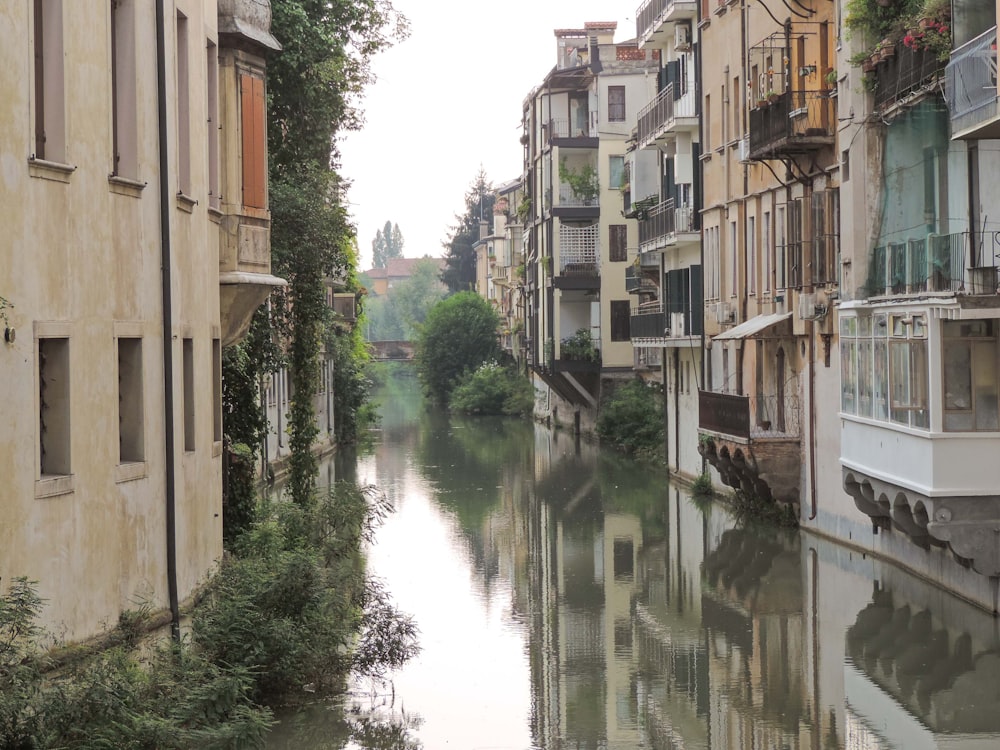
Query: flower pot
(868,65)
(773,99)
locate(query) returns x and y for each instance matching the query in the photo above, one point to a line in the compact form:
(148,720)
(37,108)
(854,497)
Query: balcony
(971,88)
(560,128)
(637,282)
(652,15)
(935,263)
(665,225)
(665,115)
(579,258)
(904,74)
(753,442)
(794,122)
(648,321)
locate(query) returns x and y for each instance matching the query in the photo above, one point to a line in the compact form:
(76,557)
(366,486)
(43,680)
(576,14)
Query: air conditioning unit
(724,314)
(744,149)
(682,36)
(812,306)
(677,324)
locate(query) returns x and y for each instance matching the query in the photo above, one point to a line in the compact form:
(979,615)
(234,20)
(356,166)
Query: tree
(460,257)
(460,333)
(388,244)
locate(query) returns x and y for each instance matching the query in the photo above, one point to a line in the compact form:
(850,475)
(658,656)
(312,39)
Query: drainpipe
(168,341)
(812,420)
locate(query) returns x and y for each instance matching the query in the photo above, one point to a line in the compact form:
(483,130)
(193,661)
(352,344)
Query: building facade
(136,246)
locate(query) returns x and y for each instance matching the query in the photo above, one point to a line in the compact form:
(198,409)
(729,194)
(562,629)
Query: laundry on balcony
(753,327)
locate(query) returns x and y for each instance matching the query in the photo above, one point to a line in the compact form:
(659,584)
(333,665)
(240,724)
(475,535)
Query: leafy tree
(388,244)
(460,333)
(397,316)
(493,389)
(460,257)
(632,419)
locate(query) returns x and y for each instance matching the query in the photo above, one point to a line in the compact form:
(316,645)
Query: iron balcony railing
(658,115)
(567,197)
(795,121)
(661,223)
(652,13)
(560,127)
(935,263)
(648,321)
(903,73)
(971,82)
(758,416)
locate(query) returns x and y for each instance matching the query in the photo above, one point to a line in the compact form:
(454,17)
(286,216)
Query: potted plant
(772,97)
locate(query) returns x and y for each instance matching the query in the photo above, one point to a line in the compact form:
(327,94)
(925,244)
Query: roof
(751,327)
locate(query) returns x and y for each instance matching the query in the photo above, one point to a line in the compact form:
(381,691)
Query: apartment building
(918,319)
(664,195)
(575,127)
(136,246)
(505,262)
(771,248)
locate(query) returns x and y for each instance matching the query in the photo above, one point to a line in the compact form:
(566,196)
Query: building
(507,274)
(918,318)
(136,247)
(771,249)
(575,127)
(664,193)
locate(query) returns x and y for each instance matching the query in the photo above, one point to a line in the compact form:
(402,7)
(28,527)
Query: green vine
(584,183)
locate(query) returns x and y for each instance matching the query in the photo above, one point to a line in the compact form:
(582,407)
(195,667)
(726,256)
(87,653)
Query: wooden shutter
(39,80)
(620,320)
(618,239)
(254,146)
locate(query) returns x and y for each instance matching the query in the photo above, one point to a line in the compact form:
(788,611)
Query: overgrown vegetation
(702,485)
(632,420)
(281,615)
(749,508)
(579,347)
(493,389)
(459,335)
(582,182)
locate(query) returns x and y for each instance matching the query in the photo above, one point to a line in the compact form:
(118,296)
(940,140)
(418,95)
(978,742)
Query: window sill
(705,156)
(186,203)
(50,170)
(124,186)
(215,214)
(216,449)
(51,485)
(130,471)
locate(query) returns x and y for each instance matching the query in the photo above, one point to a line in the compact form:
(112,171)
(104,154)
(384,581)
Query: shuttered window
(619,320)
(616,104)
(254,146)
(617,241)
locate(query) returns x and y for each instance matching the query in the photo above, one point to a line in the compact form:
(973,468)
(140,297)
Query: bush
(459,334)
(493,389)
(632,420)
(702,486)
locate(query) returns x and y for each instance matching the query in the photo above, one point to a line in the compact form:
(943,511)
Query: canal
(568,598)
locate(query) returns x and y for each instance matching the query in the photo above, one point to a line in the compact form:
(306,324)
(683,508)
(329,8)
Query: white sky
(448,100)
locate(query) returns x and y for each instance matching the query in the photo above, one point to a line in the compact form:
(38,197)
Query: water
(568,598)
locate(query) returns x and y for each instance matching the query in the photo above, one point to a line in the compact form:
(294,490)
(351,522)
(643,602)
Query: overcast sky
(448,100)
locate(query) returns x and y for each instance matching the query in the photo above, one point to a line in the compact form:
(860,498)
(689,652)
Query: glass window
(616,172)
(970,377)
(616,104)
(848,368)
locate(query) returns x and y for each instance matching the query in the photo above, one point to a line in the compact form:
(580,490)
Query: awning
(752,327)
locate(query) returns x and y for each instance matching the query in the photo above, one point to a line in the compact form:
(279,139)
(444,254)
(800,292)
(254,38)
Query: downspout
(168,341)
(677,407)
(812,421)
(700,198)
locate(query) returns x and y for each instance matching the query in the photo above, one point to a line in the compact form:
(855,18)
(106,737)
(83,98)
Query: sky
(447,100)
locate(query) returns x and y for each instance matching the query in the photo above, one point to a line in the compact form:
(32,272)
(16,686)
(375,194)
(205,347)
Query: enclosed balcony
(792,122)
(903,74)
(672,110)
(753,442)
(666,225)
(579,258)
(971,88)
(653,16)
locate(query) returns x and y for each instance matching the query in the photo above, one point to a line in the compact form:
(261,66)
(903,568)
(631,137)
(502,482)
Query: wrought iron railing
(793,121)
(757,416)
(724,413)
(935,263)
(662,222)
(904,72)
(971,81)
(560,127)
(648,15)
(659,113)
(774,416)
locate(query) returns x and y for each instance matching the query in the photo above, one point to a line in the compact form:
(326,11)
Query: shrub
(579,347)
(632,419)
(493,389)
(702,486)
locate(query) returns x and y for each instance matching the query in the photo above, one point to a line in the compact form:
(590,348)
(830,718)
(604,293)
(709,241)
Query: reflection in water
(569,599)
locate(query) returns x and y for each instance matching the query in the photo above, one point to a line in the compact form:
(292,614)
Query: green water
(569,598)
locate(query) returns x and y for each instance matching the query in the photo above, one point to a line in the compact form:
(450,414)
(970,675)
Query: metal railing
(935,263)
(559,127)
(971,81)
(648,321)
(656,116)
(725,413)
(795,120)
(569,198)
(663,221)
(756,416)
(903,73)
(773,416)
(650,14)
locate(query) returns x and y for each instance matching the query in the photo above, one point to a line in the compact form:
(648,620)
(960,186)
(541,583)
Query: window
(970,376)
(616,172)
(752,254)
(733,256)
(183,108)
(737,108)
(216,390)
(713,262)
(780,233)
(49,80)
(706,120)
(616,104)
(768,251)
(131,440)
(187,357)
(123,90)
(620,313)
(617,241)
(212,67)
(623,559)
(794,246)
(825,208)
(254,145)
(53,407)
